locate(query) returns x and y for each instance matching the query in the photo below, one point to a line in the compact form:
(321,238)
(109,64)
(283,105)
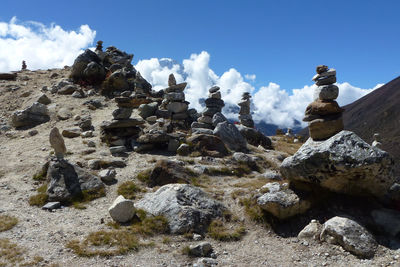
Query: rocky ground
(41,236)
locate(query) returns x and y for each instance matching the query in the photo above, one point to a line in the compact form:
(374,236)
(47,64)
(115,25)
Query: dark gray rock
(214,102)
(231,136)
(187,208)
(94,73)
(43,99)
(388,220)
(147,110)
(51,205)
(68,180)
(208,145)
(80,64)
(108,175)
(255,137)
(202,131)
(213,89)
(350,235)
(67,90)
(34,115)
(217,118)
(344,163)
(168,172)
(203,249)
(122,113)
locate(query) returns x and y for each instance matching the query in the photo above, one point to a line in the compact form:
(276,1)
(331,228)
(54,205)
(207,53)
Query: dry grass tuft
(252,209)
(86,196)
(40,198)
(10,253)
(144,176)
(128,190)
(7,222)
(284,144)
(219,231)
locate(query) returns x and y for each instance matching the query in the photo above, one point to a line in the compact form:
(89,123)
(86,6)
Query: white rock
(312,230)
(122,210)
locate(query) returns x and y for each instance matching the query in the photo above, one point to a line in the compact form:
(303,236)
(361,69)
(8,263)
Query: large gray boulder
(255,137)
(34,115)
(343,163)
(81,63)
(66,180)
(231,136)
(187,208)
(350,235)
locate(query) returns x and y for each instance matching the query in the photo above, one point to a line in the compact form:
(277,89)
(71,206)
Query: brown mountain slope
(378,112)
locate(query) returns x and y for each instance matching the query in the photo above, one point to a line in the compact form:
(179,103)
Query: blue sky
(280,42)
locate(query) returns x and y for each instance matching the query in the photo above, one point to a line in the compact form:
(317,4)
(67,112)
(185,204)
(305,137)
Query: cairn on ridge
(23,67)
(174,100)
(324,116)
(244,112)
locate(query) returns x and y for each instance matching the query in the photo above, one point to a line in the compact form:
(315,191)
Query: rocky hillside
(378,112)
(98,169)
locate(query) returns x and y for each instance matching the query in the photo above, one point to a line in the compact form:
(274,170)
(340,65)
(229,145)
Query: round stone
(321,129)
(326,92)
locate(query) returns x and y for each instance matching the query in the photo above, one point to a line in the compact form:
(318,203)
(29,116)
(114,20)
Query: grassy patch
(144,176)
(238,193)
(219,231)
(121,239)
(238,171)
(252,184)
(105,243)
(86,196)
(7,222)
(40,198)
(252,209)
(186,251)
(286,145)
(128,190)
(10,253)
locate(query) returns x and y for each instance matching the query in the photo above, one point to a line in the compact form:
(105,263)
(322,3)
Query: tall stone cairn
(174,99)
(57,143)
(244,112)
(324,116)
(23,67)
(214,104)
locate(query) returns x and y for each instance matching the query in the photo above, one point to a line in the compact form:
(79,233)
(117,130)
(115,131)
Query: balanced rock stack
(174,105)
(122,128)
(244,112)
(214,105)
(324,114)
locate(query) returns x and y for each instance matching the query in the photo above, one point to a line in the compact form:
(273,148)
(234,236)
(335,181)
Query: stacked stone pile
(174,105)
(214,105)
(112,70)
(122,129)
(244,112)
(324,114)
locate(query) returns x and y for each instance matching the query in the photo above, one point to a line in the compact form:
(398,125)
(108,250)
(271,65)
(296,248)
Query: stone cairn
(23,65)
(174,105)
(57,143)
(214,104)
(244,112)
(324,116)
(377,140)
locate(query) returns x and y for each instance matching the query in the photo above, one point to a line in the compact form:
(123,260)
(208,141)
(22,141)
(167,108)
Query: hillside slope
(378,112)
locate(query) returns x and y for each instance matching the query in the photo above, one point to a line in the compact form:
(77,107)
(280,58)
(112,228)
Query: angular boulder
(231,136)
(34,115)
(122,210)
(208,145)
(168,172)
(81,63)
(350,235)
(281,201)
(343,163)
(255,137)
(66,180)
(187,208)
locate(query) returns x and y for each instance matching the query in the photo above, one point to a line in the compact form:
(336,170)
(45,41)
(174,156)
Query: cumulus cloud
(39,45)
(271,103)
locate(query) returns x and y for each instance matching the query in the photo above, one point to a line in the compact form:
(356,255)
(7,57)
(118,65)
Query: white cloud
(250,77)
(39,45)
(271,103)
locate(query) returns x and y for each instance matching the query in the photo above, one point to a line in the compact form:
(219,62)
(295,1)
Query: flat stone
(202,131)
(117,149)
(201,125)
(122,210)
(52,205)
(326,92)
(326,80)
(122,123)
(64,114)
(71,133)
(322,108)
(322,129)
(213,89)
(175,96)
(67,90)
(180,116)
(211,111)
(177,107)
(166,114)
(330,72)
